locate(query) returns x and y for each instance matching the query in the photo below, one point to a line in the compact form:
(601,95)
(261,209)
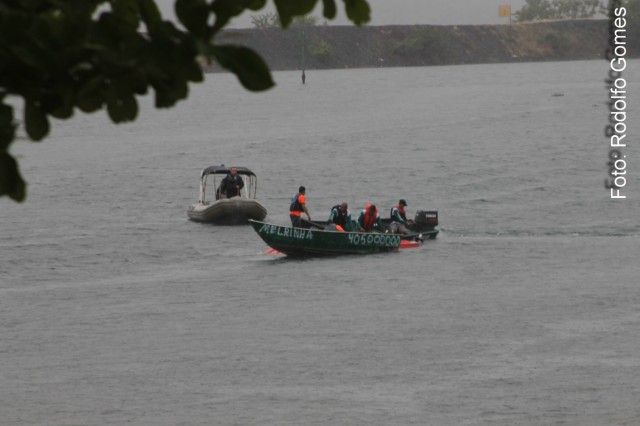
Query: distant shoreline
(335,47)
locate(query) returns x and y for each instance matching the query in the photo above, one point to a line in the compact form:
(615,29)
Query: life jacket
(368,219)
(296,206)
(340,218)
(401,211)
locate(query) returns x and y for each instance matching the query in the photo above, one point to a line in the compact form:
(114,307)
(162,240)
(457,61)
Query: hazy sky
(409,12)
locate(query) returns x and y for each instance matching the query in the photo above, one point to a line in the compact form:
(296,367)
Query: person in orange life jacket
(231,184)
(369,218)
(298,205)
(340,215)
(399,222)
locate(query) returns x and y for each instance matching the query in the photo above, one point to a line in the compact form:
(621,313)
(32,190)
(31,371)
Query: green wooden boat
(315,242)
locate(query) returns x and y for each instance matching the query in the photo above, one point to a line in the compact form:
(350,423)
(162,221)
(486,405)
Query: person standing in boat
(369,219)
(399,222)
(297,207)
(341,216)
(231,184)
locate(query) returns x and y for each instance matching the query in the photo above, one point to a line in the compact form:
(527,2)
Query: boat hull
(312,242)
(229,211)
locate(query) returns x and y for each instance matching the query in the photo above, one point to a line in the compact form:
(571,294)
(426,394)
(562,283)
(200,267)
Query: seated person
(369,219)
(399,223)
(340,215)
(231,184)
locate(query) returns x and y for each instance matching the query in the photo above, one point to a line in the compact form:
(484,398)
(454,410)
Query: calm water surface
(115,309)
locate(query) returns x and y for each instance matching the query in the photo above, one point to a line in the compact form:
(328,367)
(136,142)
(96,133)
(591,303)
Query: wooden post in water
(303,37)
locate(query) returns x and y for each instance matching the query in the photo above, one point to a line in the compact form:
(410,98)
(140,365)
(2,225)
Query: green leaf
(192,71)
(231,8)
(287,9)
(136,81)
(256,4)
(60,104)
(246,64)
(329,9)
(11,183)
(150,14)
(121,107)
(162,97)
(227,9)
(90,97)
(7,127)
(358,11)
(193,14)
(36,121)
(127,12)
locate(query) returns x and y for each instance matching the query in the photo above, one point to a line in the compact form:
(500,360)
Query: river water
(116,309)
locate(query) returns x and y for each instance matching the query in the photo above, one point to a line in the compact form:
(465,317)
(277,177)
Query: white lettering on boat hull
(298,234)
(376,239)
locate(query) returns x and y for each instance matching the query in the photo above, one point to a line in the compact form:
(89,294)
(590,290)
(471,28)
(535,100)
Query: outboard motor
(424,217)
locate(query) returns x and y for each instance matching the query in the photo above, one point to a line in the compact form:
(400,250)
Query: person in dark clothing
(297,207)
(340,215)
(231,184)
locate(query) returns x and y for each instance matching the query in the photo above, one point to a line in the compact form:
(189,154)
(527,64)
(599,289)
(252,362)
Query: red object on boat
(409,244)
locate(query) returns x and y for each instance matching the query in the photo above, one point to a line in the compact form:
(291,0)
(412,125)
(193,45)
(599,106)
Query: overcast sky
(407,12)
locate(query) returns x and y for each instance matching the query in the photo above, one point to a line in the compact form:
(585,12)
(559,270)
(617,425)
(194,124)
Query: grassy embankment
(419,45)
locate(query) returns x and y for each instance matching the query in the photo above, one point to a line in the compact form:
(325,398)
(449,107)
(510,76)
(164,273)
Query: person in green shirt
(399,222)
(341,216)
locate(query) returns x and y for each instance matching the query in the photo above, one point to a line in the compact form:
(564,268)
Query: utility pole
(304,39)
